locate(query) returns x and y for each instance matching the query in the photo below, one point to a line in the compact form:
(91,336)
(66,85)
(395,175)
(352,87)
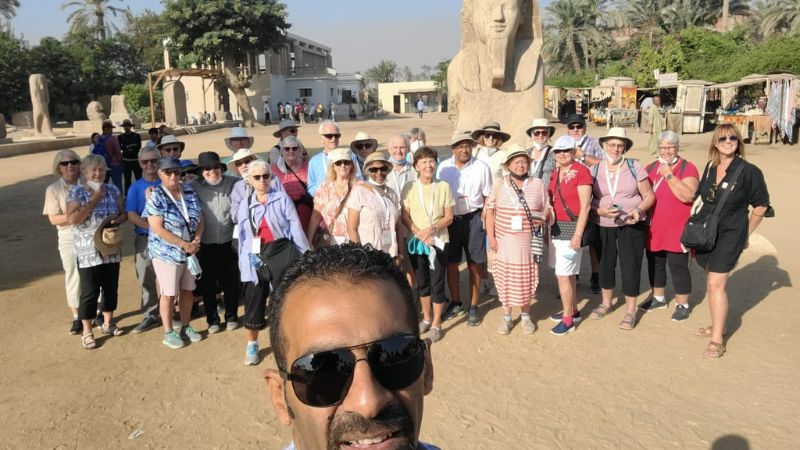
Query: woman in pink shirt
(292,171)
(621,196)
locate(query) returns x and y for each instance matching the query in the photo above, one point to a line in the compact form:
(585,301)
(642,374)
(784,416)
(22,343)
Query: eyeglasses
(323,379)
(575,126)
(343,162)
(558,151)
(71,162)
(731,138)
(490,136)
(292,130)
(540,133)
(366,146)
(145,162)
(669,148)
(171,172)
(171,149)
(210,168)
(242,162)
(381,169)
(259,177)
(291,149)
(331,137)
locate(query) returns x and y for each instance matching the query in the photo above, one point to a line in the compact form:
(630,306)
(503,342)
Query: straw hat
(617,133)
(462,136)
(513,151)
(170,139)
(242,153)
(362,137)
(108,238)
(376,157)
(541,124)
(340,154)
(284,124)
(491,127)
(239,133)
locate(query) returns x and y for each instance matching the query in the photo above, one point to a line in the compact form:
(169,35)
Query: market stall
(613,102)
(685,105)
(561,102)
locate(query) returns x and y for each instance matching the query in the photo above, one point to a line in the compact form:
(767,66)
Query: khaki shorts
(173,278)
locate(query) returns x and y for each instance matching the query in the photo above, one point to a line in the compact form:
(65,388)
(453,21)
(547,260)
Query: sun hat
(376,157)
(239,133)
(340,154)
(108,237)
(491,127)
(565,143)
(513,151)
(208,159)
(284,124)
(575,118)
(461,136)
(242,153)
(170,139)
(617,133)
(127,123)
(363,137)
(539,124)
(168,163)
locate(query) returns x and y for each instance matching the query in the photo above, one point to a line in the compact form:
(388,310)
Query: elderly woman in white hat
(292,172)
(517,210)
(373,209)
(542,159)
(362,146)
(328,224)
(621,196)
(90,205)
(490,138)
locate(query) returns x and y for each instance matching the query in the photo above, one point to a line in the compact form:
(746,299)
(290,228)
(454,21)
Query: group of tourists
(232,225)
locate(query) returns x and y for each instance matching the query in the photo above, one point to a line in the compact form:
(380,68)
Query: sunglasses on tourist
(171,149)
(291,149)
(321,379)
(343,162)
(558,151)
(727,138)
(242,162)
(260,177)
(575,126)
(71,162)
(172,172)
(145,162)
(490,136)
(381,169)
(540,133)
(331,137)
(362,146)
(292,130)
(210,168)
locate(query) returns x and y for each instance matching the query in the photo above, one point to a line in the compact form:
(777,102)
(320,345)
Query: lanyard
(184,212)
(613,189)
(433,199)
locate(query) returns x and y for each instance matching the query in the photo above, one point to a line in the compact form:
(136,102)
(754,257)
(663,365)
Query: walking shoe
(230,326)
(651,304)
(424,326)
(76,327)
(214,328)
(453,310)
(435,334)
(251,355)
(576,316)
(505,327)
(528,327)
(172,340)
(562,329)
(146,324)
(681,313)
(188,333)
(473,319)
(594,283)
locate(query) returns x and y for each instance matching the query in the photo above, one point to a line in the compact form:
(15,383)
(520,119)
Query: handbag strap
(572,216)
(521,196)
(341,205)
(727,191)
(302,183)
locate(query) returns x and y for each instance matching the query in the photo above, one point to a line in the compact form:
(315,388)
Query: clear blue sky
(360,32)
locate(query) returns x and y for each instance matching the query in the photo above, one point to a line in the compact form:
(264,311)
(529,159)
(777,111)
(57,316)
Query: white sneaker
(251,356)
(505,327)
(528,327)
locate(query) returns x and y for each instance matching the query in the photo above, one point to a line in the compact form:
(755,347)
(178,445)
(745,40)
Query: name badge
(516,223)
(256,247)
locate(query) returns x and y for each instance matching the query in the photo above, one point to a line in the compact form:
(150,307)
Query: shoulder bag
(565,230)
(700,232)
(275,257)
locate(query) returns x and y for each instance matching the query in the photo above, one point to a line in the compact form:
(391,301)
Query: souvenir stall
(685,105)
(618,109)
(562,102)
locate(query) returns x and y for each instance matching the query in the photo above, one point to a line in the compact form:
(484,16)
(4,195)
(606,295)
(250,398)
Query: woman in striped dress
(518,203)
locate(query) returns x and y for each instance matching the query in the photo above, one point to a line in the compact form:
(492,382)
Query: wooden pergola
(204,74)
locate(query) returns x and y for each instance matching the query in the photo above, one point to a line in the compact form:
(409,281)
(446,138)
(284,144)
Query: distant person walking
(420,107)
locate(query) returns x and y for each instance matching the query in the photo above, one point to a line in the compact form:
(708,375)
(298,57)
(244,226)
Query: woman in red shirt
(674,181)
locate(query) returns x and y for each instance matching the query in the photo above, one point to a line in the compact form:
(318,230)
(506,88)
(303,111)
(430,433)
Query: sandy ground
(596,388)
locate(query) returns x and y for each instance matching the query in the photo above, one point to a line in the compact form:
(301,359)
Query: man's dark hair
(353,263)
(425,152)
(153,130)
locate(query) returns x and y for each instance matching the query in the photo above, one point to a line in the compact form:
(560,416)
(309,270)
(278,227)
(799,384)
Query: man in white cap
(471,182)
(330,134)
(362,146)
(285,128)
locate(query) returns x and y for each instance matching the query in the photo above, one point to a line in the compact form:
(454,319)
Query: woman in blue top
(174,214)
(264,217)
(88,206)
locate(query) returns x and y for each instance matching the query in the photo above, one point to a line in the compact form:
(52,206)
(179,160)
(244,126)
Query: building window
(349,96)
(305,92)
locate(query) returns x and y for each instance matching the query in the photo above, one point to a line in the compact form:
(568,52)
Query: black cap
(575,118)
(208,159)
(168,163)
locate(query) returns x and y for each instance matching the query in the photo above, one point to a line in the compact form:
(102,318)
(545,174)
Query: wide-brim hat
(170,139)
(340,154)
(513,151)
(242,153)
(108,238)
(208,159)
(363,137)
(376,157)
(168,163)
(107,124)
(239,133)
(127,123)
(284,124)
(541,124)
(461,137)
(575,118)
(491,127)
(617,133)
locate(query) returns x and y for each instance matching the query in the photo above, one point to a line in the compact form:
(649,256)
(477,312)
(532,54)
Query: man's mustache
(394,418)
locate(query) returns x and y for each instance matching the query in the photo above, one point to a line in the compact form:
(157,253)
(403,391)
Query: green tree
(384,72)
(440,76)
(137,99)
(14,67)
(576,34)
(92,14)
(54,59)
(779,16)
(222,31)
(146,32)
(666,57)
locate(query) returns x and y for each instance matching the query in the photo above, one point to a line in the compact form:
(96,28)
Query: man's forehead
(330,128)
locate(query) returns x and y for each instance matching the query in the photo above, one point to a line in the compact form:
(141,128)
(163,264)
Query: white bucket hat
(541,124)
(242,153)
(617,133)
(170,139)
(238,133)
(340,154)
(365,138)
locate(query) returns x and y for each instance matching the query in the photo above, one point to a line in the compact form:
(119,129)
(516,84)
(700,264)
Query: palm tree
(575,32)
(779,16)
(8,8)
(92,14)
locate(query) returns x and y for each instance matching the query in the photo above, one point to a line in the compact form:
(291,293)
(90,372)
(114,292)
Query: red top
(294,189)
(576,175)
(265,233)
(669,215)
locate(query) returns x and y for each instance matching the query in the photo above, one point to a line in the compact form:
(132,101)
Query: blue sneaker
(172,340)
(251,355)
(562,329)
(189,333)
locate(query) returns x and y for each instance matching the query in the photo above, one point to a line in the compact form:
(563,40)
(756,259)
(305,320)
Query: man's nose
(366,397)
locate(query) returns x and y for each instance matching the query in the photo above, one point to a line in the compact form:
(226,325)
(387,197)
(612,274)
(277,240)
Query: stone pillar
(40,100)
(175,103)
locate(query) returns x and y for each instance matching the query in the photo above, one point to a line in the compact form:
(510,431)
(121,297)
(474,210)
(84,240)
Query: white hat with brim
(565,143)
(491,127)
(617,133)
(461,137)
(539,124)
(363,137)
(239,133)
(340,154)
(170,139)
(513,151)
(242,153)
(286,123)
(376,157)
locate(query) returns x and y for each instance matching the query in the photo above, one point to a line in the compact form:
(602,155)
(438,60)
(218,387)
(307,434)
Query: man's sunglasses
(363,146)
(323,379)
(259,177)
(242,162)
(540,133)
(145,162)
(71,162)
(331,137)
(213,167)
(575,126)
(171,172)
(381,169)
(343,162)
(292,130)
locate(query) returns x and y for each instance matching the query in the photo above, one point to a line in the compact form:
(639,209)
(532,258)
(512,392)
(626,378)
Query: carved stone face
(496,23)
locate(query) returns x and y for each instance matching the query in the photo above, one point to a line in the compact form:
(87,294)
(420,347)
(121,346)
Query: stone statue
(119,111)
(498,74)
(94,111)
(40,100)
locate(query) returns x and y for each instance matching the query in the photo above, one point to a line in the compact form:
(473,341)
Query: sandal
(705,332)
(600,312)
(88,342)
(628,322)
(112,330)
(714,350)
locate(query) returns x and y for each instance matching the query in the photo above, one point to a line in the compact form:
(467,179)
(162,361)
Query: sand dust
(596,388)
